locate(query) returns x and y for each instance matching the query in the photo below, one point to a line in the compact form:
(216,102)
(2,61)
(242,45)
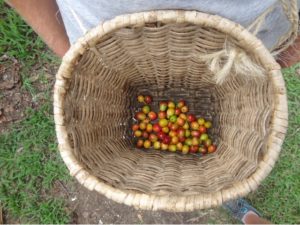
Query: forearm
(44,17)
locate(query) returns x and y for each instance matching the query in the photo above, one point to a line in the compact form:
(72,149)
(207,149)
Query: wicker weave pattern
(94,101)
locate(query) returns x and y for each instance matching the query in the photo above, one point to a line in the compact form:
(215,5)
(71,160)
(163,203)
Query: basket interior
(161,60)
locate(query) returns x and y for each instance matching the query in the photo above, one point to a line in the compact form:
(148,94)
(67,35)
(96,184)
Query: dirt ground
(13,100)
(84,206)
(90,207)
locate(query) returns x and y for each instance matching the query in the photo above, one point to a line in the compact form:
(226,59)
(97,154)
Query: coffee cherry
(195,141)
(208,124)
(194,148)
(161,135)
(140,143)
(153,137)
(143,126)
(167,140)
(165,130)
(137,133)
(147,144)
(172,133)
(188,141)
(135,127)
(181,103)
(184,109)
(163,106)
(175,130)
(163,122)
(180,121)
(157,145)
(211,148)
(148,99)
(180,132)
(203,150)
(173,118)
(140,98)
(162,115)
(181,139)
(146,109)
(183,116)
(177,111)
(207,142)
(145,134)
(171,105)
(174,140)
(174,127)
(191,118)
(156,128)
(186,126)
(140,116)
(185,149)
(170,112)
(164,146)
(172,148)
(201,121)
(203,137)
(195,133)
(179,146)
(187,133)
(202,129)
(194,125)
(149,127)
(152,115)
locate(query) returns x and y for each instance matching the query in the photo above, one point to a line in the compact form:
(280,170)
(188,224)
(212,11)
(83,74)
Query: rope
(256,25)
(232,60)
(291,11)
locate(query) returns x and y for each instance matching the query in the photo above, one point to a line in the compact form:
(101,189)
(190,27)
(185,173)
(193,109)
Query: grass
(29,160)
(18,40)
(278,198)
(29,164)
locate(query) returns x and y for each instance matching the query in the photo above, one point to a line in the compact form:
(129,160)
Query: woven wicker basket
(158,53)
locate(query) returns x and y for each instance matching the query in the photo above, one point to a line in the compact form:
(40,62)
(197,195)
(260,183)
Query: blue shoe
(239,208)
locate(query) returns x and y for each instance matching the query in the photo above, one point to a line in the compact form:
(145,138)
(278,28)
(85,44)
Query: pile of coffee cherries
(172,128)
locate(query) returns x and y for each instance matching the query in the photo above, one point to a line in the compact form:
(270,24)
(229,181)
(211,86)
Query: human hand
(291,55)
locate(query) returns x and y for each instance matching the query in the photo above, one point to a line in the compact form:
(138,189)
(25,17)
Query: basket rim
(278,123)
